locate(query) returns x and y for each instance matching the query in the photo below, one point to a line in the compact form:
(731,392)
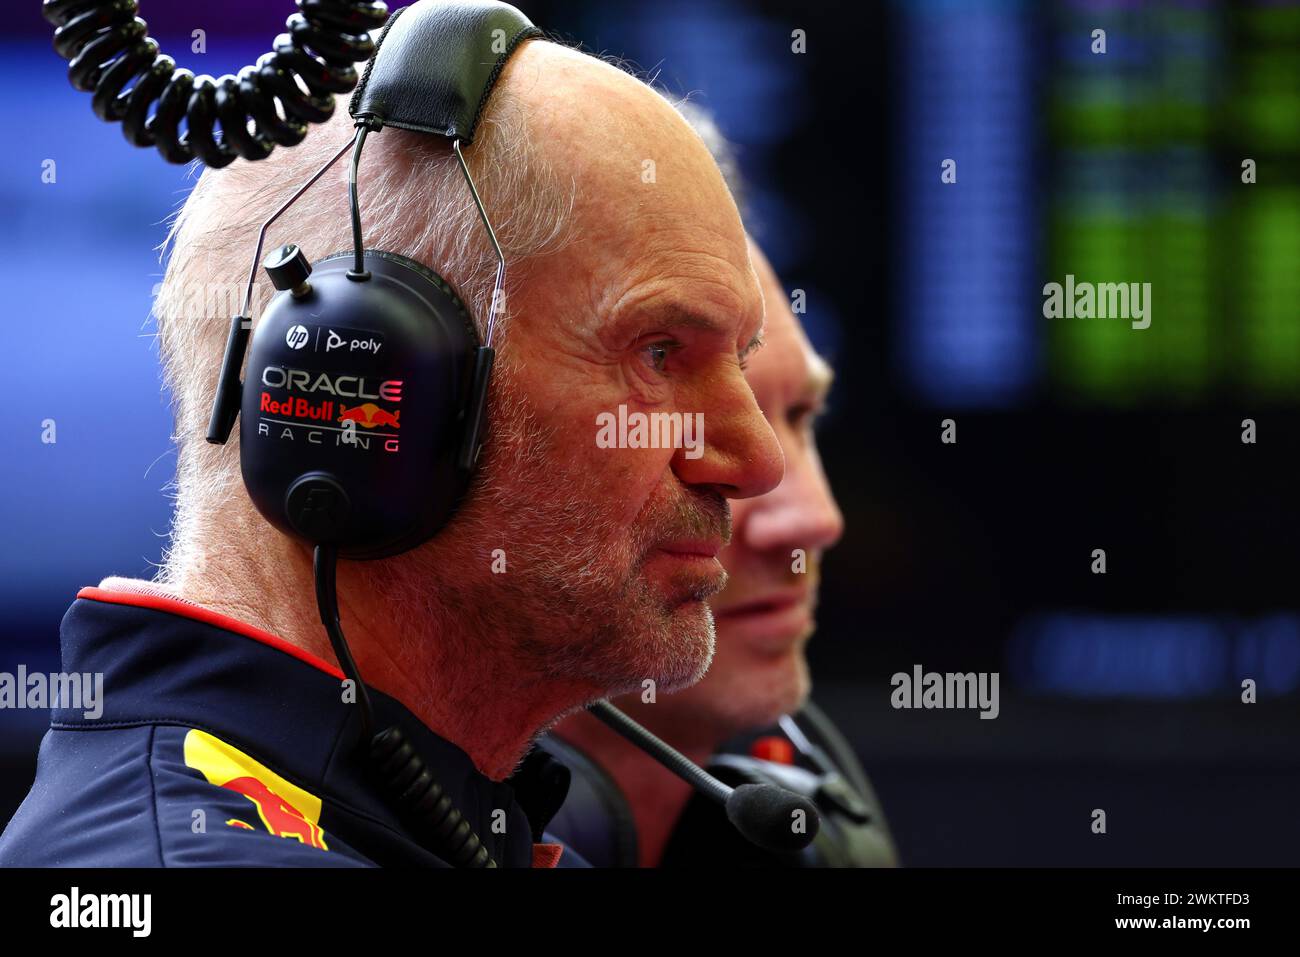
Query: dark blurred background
(1119,691)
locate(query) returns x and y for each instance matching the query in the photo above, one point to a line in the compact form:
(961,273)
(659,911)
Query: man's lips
(774,601)
(770,623)
(692,567)
(693,548)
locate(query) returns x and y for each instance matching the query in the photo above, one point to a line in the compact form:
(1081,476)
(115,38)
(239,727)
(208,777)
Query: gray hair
(414,201)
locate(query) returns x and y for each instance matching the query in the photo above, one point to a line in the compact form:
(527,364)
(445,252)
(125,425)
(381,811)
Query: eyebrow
(678,316)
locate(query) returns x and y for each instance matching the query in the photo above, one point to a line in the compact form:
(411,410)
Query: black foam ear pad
(353,402)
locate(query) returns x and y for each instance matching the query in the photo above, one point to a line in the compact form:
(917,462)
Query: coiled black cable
(110,55)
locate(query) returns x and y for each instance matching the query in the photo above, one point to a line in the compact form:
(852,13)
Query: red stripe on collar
(188,609)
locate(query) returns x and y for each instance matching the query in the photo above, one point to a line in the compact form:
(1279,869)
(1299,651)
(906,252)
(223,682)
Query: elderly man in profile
(624,809)
(221,736)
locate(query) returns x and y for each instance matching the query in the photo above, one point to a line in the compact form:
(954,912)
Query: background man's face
(764,616)
(611,552)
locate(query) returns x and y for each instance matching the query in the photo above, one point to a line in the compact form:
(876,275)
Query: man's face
(765,615)
(610,553)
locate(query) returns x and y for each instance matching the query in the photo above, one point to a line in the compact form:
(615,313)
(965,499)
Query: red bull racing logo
(321,414)
(284,809)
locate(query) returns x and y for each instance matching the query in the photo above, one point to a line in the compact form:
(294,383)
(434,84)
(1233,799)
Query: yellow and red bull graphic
(285,809)
(371,416)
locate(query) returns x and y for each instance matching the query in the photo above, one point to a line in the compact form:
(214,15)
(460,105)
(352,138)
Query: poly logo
(296,337)
(359,343)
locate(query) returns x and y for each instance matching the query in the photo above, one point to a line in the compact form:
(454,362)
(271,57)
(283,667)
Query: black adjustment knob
(289,269)
(317,507)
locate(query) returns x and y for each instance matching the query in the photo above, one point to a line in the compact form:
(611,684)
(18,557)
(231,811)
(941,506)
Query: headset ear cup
(397,259)
(354,403)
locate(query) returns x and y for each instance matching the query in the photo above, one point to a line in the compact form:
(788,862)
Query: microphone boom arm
(764,814)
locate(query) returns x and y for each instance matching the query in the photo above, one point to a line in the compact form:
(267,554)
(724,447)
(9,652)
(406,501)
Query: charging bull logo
(285,809)
(371,416)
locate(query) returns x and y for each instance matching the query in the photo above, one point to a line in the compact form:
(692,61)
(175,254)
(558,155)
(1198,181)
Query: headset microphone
(771,817)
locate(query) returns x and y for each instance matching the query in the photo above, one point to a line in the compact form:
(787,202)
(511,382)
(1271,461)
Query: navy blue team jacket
(220,744)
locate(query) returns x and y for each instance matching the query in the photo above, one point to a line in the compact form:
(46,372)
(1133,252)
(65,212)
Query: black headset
(357,428)
(362,411)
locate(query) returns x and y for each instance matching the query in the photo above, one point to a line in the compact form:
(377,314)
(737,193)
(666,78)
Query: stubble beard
(566,598)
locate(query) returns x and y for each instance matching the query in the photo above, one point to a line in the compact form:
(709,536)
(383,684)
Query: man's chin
(676,654)
(692,625)
(783,690)
(742,695)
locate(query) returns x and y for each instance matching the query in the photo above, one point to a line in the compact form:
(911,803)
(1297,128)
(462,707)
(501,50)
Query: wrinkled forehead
(652,214)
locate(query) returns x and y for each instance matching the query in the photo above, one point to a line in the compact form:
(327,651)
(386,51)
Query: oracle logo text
(344,386)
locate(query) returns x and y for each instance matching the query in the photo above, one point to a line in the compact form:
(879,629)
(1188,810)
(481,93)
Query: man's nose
(800,513)
(739,455)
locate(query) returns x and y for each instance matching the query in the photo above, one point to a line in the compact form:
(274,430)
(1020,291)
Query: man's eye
(805,416)
(656,354)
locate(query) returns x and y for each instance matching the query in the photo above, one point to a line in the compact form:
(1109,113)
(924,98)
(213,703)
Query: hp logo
(296,337)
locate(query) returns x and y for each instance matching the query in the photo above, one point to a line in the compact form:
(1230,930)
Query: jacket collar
(166,660)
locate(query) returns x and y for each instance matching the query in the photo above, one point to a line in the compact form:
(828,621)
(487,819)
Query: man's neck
(655,795)
(463,686)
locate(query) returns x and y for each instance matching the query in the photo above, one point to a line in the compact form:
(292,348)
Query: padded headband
(436,64)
